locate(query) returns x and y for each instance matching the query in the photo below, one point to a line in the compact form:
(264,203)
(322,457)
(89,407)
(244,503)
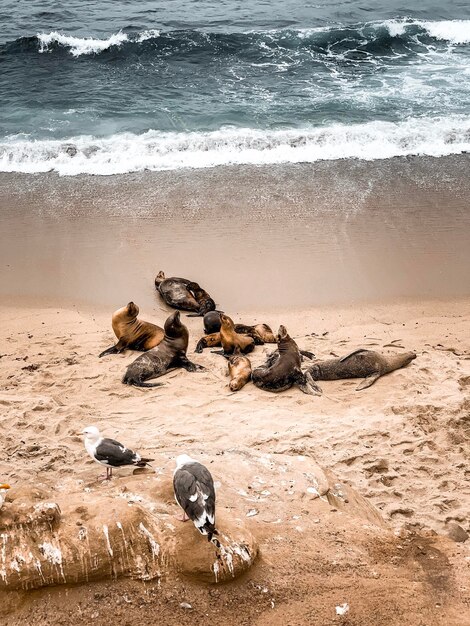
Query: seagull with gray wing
(195,493)
(110,452)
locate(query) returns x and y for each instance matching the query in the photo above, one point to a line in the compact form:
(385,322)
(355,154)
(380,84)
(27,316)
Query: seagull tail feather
(210,530)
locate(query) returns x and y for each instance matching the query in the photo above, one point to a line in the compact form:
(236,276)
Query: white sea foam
(454,31)
(78,45)
(147,34)
(154,150)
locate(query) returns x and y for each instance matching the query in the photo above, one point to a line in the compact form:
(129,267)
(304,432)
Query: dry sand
(403,444)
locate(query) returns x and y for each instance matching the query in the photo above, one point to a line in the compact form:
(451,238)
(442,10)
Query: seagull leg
(108,475)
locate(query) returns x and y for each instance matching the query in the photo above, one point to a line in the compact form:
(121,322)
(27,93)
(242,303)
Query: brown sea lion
(231,340)
(282,368)
(133,334)
(260,333)
(239,369)
(361,363)
(169,354)
(205,302)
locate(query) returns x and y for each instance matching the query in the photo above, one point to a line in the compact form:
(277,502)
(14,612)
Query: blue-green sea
(115,86)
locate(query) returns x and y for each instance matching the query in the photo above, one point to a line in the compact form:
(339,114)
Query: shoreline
(264,238)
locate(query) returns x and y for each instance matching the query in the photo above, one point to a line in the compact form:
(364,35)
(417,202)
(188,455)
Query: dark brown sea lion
(205,302)
(177,294)
(169,354)
(282,368)
(239,369)
(133,334)
(361,363)
(212,322)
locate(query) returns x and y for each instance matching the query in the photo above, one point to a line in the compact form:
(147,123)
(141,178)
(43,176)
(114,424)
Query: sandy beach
(401,444)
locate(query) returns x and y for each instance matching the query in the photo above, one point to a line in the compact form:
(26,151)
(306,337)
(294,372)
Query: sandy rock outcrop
(87,536)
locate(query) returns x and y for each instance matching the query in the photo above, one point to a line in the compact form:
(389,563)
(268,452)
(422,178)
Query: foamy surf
(154,150)
(454,32)
(79,45)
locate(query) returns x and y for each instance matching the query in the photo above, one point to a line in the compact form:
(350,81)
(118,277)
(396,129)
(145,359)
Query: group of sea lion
(166,348)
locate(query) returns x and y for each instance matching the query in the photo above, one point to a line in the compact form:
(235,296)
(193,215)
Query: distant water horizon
(111,88)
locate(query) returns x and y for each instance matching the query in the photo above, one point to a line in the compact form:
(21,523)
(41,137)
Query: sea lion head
(282,333)
(173,326)
(159,278)
(132,309)
(408,357)
(226,322)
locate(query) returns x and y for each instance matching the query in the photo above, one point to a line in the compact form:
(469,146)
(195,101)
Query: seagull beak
(4,486)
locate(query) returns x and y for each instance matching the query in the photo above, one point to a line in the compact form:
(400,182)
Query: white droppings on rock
(108,544)
(342,609)
(154,546)
(51,553)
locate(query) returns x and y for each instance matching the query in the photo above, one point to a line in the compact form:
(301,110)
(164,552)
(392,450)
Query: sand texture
(402,444)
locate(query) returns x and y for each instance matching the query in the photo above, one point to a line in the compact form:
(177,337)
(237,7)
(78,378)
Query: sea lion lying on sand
(133,334)
(239,369)
(361,363)
(213,322)
(169,354)
(205,302)
(260,333)
(176,293)
(282,368)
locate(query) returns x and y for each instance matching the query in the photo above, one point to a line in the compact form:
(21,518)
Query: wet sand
(256,238)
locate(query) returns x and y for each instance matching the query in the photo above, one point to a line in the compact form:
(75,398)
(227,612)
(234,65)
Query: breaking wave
(155,150)
(376,35)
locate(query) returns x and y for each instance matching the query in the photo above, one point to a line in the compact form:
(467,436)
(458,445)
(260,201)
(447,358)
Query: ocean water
(115,86)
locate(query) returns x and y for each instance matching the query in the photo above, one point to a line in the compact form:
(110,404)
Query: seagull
(3,492)
(110,452)
(195,493)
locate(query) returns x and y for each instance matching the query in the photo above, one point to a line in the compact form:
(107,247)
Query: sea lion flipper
(111,350)
(116,349)
(194,315)
(350,354)
(306,384)
(306,353)
(208,341)
(368,381)
(188,365)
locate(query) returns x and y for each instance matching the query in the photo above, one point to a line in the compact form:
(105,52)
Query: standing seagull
(195,493)
(3,493)
(110,452)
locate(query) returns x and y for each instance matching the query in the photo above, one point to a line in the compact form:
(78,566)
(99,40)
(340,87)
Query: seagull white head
(183,459)
(91,433)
